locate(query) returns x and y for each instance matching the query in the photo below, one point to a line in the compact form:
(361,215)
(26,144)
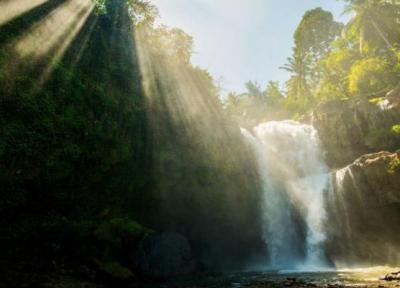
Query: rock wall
(351,128)
(363,202)
(364,211)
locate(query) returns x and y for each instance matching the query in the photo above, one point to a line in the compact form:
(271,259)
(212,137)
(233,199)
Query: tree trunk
(362,37)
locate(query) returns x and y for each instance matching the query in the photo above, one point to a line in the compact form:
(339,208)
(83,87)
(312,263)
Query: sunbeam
(126,160)
(192,86)
(13,8)
(46,40)
(56,31)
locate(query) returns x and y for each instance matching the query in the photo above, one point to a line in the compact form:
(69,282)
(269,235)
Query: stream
(361,277)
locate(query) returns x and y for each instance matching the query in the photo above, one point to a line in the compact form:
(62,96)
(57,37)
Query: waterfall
(341,215)
(294,177)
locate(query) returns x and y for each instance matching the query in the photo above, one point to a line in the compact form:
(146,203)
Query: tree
(335,69)
(313,38)
(299,67)
(370,76)
(253,90)
(140,11)
(173,42)
(273,94)
(316,32)
(374,23)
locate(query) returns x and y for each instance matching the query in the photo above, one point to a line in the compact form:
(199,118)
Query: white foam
(294,174)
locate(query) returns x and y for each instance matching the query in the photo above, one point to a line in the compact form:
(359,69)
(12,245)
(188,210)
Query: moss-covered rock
(165,255)
(115,270)
(351,128)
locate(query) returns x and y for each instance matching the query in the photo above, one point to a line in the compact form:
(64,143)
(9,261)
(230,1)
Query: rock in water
(165,255)
(395,276)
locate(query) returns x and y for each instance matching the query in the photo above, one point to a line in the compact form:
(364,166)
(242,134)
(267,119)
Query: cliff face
(351,128)
(363,203)
(364,211)
(378,174)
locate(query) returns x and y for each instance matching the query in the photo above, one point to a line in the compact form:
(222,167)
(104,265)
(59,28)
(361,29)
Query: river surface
(367,277)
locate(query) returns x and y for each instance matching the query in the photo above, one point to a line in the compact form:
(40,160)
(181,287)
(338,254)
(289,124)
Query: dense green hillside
(86,152)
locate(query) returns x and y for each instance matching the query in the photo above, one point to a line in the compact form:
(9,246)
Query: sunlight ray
(192,103)
(58,28)
(46,42)
(68,37)
(85,40)
(11,9)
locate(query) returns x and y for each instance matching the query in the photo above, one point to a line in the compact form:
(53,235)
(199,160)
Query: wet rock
(289,282)
(165,255)
(394,276)
(294,282)
(115,270)
(364,209)
(335,285)
(353,127)
(375,177)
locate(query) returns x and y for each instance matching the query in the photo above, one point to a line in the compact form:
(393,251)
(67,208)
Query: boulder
(165,255)
(377,176)
(394,276)
(350,128)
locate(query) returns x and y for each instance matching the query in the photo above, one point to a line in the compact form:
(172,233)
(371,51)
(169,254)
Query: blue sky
(241,40)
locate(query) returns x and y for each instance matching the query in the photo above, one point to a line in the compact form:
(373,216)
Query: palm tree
(299,67)
(374,21)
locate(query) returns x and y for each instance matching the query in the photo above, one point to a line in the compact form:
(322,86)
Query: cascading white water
(294,177)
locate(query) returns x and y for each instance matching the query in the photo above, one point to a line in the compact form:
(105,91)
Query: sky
(241,40)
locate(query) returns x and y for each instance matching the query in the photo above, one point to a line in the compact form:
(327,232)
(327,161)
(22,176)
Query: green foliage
(396,129)
(394,166)
(374,25)
(299,66)
(87,155)
(172,43)
(116,270)
(256,104)
(376,100)
(116,134)
(274,94)
(100,6)
(313,41)
(73,145)
(369,76)
(334,78)
(117,230)
(141,12)
(315,33)
(331,60)
(187,154)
